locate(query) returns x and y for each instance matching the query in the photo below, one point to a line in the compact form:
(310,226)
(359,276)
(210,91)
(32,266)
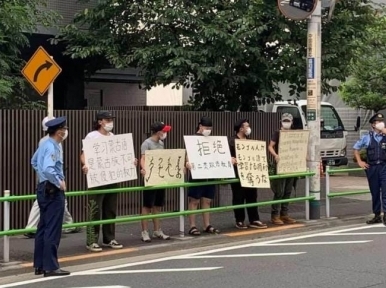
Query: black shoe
(377,219)
(30,235)
(54,273)
(384,219)
(39,271)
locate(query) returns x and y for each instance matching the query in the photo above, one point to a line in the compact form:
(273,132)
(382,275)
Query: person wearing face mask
(48,163)
(241,195)
(34,215)
(375,166)
(201,194)
(282,188)
(153,200)
(106,204)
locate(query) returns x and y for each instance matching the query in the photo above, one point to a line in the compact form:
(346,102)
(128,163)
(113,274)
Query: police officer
(375,144)
(48,164)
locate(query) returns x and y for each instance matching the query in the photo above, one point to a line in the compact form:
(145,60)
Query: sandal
(194,231)
(210,229)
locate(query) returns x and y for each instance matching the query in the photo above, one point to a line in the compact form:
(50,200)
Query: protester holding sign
(102,206)
(201,194)
(282,188)
(153,200)
(241,195)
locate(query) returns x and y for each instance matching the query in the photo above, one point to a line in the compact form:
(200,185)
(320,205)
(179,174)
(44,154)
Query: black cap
(160,126)
(240,123)
(377,117)
(206,121)
(104,115)
(55,124)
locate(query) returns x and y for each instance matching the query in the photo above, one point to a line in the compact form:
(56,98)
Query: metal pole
(306,194)
(327,192)
(314,46)
(50,100)
(6,224)
(182,208)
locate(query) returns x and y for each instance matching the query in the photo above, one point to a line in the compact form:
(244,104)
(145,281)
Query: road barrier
(330,194)
(8,198)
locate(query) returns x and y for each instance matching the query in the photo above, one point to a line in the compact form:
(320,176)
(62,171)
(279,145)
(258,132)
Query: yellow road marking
(256,231)
(88,256)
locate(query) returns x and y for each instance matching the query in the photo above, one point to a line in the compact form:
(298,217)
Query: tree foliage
(233,53)
(18,19)
(366,88)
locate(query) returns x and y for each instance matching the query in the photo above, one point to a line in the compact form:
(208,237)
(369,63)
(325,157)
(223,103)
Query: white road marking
(27,282)
(150,271)
(103,287)
(241,255)
(355,234)
(315,243)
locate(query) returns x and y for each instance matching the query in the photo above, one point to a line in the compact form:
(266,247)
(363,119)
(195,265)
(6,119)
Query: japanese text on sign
(252,164)
(164,166)
(292,151)
(110,160)
(209,157)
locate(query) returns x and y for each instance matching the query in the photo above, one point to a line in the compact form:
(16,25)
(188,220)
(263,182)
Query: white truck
(333,143)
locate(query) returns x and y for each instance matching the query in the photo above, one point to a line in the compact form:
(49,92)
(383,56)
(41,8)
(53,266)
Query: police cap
(376,117)
(55,124)
(104,115)
(240,123)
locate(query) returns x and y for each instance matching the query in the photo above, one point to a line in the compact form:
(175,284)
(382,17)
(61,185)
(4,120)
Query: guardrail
(330,194)
(7,199)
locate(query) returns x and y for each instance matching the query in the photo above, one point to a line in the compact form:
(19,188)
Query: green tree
(18,19)
(366,88)
(233,53)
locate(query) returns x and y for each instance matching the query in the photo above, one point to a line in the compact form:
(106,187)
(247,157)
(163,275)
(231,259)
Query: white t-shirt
(96,134)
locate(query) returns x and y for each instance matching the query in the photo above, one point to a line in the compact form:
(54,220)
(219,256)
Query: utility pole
(314,49)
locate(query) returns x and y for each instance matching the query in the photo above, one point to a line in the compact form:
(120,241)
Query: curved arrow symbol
(46,66)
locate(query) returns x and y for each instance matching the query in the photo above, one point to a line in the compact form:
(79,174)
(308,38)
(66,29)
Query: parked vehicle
(307,5)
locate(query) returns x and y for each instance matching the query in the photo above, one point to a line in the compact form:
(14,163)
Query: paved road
(346,258)
(291,11)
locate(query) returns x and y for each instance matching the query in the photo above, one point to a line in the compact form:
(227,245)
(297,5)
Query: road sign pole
(50,101)
(314,45)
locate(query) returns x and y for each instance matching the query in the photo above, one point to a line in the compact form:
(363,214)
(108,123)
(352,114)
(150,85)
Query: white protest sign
(164,166)
(109,159)
(209,157)
(292,151)
(252,164)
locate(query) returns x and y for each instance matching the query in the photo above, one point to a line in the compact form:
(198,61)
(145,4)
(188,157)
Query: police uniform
(48,164)
(375,145)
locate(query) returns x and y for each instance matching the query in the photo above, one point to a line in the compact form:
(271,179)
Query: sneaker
(145,236)
(287,220)
(258,225)
(241,225)
(160,235)
(113,244)
(94,247)
(276,220)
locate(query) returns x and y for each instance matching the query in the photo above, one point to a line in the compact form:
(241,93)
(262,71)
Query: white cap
(45,120)
(287,116)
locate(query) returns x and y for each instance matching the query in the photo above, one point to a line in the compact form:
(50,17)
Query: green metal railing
(7,199)
(330,195)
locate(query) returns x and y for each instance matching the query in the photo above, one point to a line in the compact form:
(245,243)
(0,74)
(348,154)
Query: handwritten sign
(292,151)
(209,156)
(164,166)
(110,160)
(252,163)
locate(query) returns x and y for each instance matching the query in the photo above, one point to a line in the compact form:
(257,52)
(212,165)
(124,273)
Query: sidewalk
(72,246)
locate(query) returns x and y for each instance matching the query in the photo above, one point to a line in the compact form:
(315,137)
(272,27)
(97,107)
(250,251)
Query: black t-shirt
(275,138)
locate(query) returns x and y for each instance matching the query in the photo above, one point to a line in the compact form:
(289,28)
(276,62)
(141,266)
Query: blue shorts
(198,192)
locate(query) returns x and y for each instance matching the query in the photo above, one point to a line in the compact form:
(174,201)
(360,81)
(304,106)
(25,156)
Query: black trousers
(241,195)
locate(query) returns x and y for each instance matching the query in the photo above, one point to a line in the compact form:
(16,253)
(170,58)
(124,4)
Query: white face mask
(163,137)
(248,132)
(380,125)
(286,125)
(206,132)
(109,126)
(65,135)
